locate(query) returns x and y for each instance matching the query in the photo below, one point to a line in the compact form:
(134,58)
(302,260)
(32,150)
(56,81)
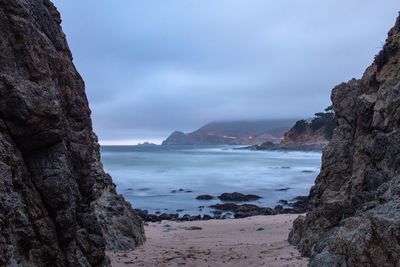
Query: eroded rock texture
(355,220)
(57,206)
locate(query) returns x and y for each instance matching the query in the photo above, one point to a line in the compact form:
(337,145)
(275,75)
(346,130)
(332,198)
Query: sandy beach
(253,241)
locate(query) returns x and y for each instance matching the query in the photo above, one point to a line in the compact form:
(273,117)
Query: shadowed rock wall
(57,205)
(355,219)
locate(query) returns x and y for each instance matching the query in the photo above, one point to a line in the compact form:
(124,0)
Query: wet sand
(253,241)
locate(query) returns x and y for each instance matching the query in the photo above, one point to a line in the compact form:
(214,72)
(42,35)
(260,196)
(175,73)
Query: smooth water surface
(150,177)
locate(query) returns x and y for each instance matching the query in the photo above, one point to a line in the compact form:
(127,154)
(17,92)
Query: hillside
(355,202)
(233,133)
(306,135)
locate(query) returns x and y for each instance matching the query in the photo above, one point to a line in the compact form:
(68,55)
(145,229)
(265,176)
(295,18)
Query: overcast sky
(154,66)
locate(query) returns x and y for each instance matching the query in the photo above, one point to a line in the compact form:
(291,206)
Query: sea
(169,178)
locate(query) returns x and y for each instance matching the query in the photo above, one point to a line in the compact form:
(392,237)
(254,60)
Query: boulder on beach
(245,210)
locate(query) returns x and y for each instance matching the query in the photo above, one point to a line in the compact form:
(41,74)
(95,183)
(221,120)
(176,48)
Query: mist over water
(150,177)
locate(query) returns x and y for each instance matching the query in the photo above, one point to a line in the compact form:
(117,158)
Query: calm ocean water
(150,177)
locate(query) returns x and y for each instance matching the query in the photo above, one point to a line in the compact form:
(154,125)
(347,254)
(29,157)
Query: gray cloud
(155,66)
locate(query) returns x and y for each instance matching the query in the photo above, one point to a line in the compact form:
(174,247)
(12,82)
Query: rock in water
(355,218)
(239,197)
(57,205)
(204,197)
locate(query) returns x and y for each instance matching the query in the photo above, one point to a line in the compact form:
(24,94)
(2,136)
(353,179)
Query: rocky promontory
(355,202)
(305,135)
(57,205)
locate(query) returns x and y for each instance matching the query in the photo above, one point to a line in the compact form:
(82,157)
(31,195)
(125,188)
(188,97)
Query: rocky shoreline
(305,135)
(314,147)
(231,209)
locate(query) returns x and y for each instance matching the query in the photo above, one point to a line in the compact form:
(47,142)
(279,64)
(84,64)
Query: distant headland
(245,132)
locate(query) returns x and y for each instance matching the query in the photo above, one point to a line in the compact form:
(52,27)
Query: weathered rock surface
(355,216)
(57,205)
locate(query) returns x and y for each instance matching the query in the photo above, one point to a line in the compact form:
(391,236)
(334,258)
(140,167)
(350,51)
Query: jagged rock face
(57,205)
(355,219)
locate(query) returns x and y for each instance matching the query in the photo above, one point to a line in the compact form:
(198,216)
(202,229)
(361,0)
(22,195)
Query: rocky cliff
(318,132)
(355,216)
(306,135)
(57,205)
